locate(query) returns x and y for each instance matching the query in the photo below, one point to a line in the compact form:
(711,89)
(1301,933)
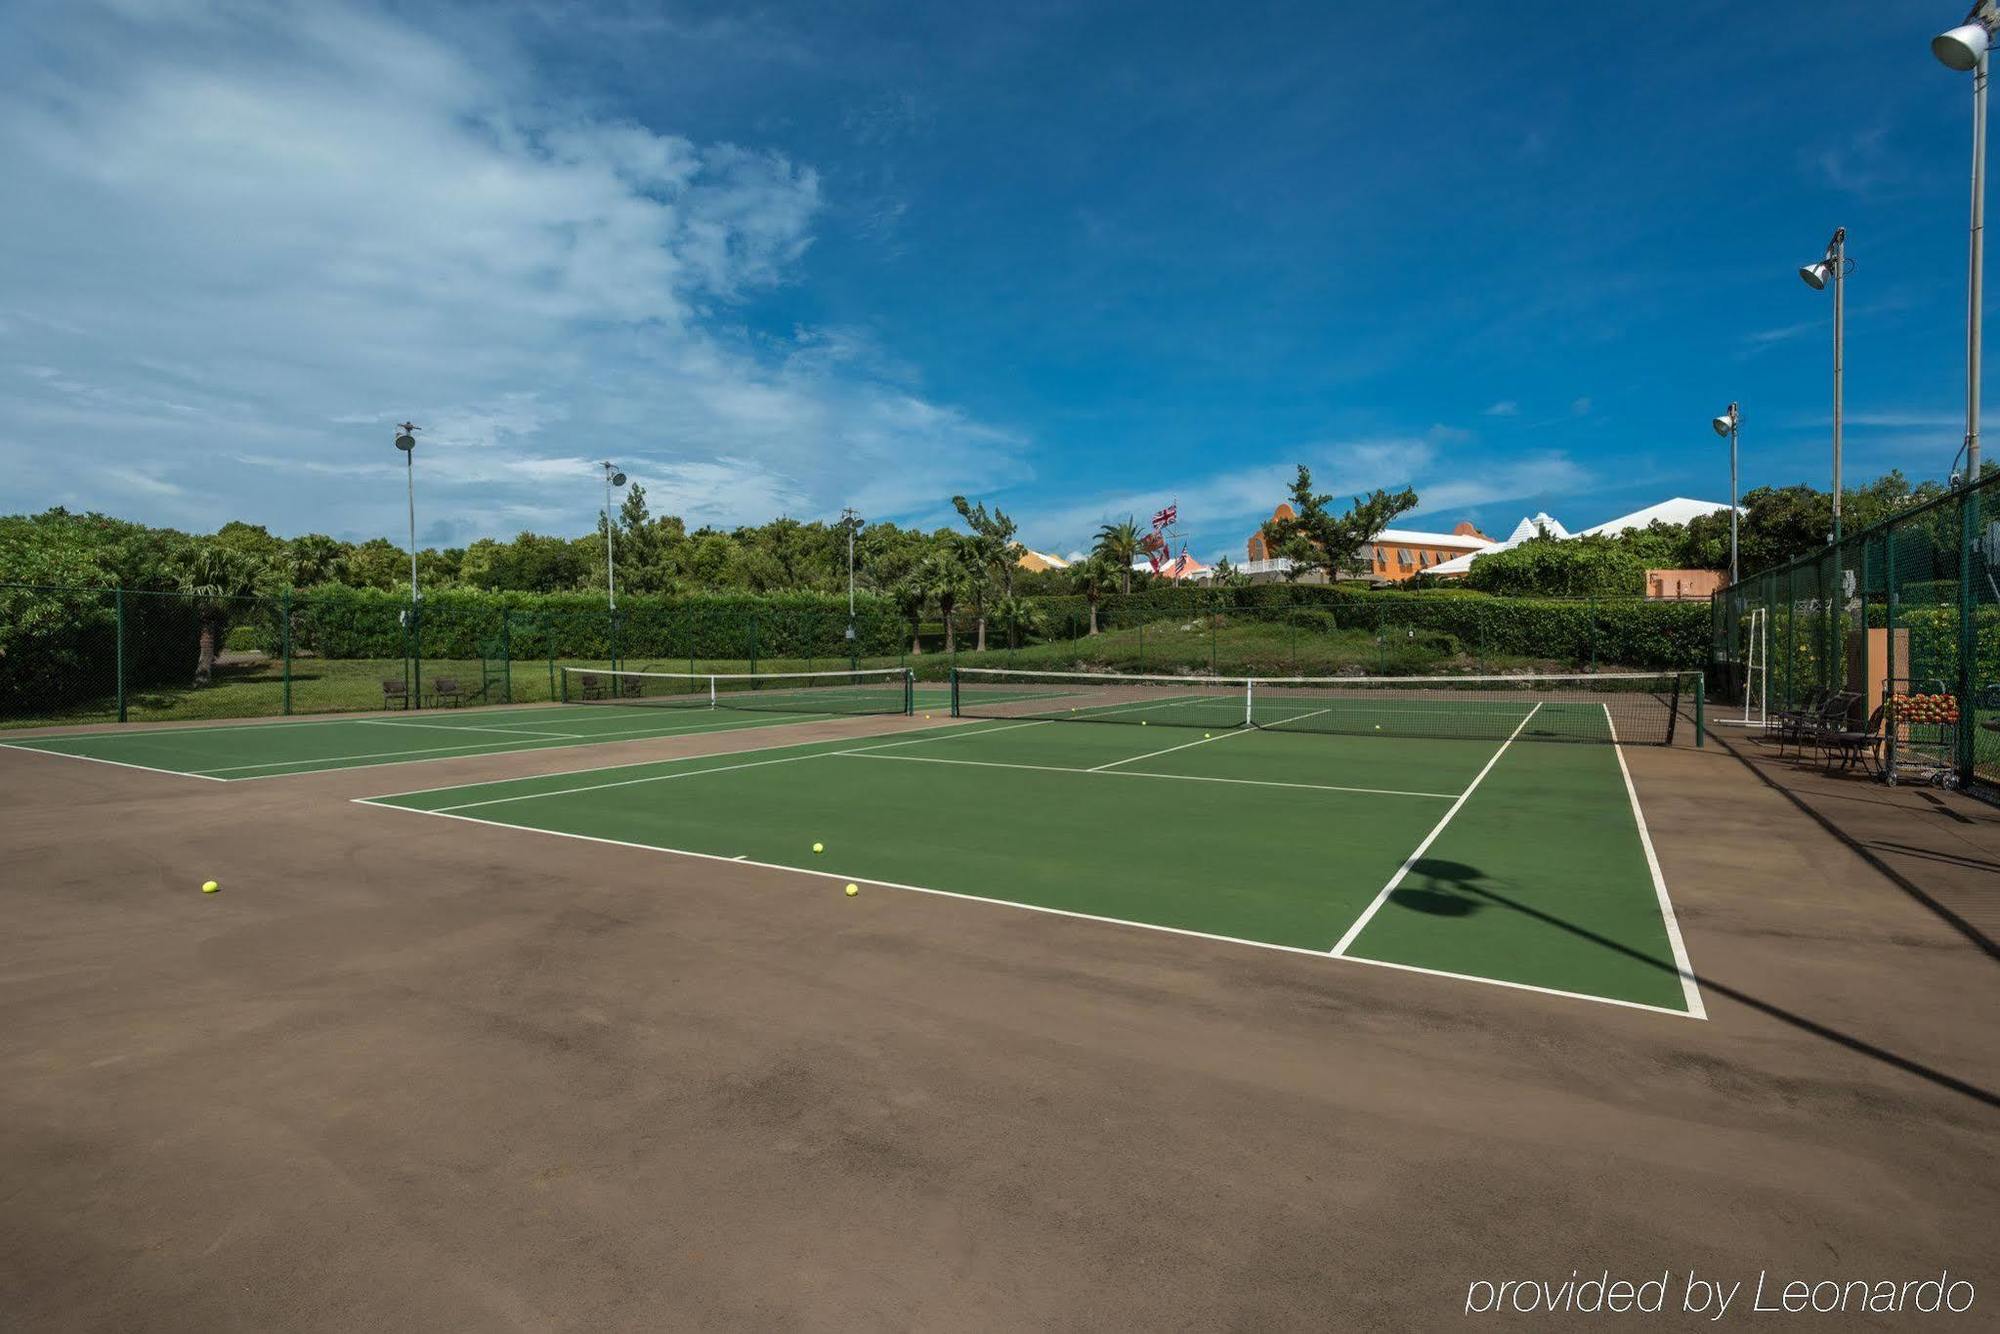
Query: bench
(445,690)
(395,694)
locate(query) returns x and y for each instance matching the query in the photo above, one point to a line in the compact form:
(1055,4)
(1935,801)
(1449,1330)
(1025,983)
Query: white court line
(719,769)
(427,753)
(1382,896)
(461,727)
(1239,731)
(1690,991)
(167,727)
(930,734)
(122,764)
(1319,955)
(1141,773)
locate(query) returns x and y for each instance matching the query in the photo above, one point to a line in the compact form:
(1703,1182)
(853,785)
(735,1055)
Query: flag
(1166,517)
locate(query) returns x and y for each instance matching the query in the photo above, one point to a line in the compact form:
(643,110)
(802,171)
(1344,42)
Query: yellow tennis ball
(1378,727)
(819,847)
(209,886)
(852,890)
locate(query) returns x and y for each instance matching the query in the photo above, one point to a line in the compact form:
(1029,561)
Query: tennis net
(1625,707)
(876,690)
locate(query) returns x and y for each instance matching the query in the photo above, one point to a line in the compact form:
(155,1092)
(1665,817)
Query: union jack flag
(1166,517)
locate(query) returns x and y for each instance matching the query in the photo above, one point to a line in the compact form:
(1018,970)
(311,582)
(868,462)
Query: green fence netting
(1907,608)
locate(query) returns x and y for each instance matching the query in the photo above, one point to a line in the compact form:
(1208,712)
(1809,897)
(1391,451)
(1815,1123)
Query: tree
(217,578)
(910,595)
(1118,544)
(314,558)
(945,580)
(1094,579)
(1315,539)
(994,533)
(1553,567)
(1226,575)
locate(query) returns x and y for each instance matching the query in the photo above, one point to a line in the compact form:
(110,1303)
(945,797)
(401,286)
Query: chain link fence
(1903,616)
(110,655)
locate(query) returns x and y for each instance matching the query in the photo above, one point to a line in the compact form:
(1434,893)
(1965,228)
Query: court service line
(1236,731)
(1186,932)
(1141,773)
(1382,896)
(1690,991)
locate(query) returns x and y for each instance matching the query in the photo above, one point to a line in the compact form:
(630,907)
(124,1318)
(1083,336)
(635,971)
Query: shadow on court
(1453,889)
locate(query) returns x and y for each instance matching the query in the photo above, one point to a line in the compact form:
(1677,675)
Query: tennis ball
(819,847)
(1142,722)
(209,886)
(852,890)
(1378,727)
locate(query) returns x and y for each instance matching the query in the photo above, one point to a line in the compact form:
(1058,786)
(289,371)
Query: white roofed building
(1676,511)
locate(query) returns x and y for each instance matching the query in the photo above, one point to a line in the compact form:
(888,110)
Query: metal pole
(1839,344)
(1976,281)
(610,555)
(410,475)
(1734,572)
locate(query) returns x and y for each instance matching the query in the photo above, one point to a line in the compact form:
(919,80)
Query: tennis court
(1445,829)
(628,706)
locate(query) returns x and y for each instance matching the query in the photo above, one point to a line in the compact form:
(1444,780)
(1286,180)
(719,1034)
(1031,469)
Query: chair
(1835,717)
(444,690)
(591,685)
(1790,724)
(1852,747)
(395,693)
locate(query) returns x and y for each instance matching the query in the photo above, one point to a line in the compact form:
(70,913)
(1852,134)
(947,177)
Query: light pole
(1726,425)
(1834,266)
(850,521)
(407,442)
(612,477)
(1964,48)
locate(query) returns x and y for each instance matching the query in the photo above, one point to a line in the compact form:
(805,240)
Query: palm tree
(217,579)
(1093,578)
(910,596)
(1017,614)
(945,578)
(1118,544)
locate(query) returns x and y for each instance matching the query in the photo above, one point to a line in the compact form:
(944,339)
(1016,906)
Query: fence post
(118,655)
(285,641)
(507,654)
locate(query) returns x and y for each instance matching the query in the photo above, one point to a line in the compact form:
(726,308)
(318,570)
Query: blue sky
(1078,259)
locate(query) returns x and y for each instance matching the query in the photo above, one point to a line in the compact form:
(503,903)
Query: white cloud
(1579,407)
(1506,407)
(264,233)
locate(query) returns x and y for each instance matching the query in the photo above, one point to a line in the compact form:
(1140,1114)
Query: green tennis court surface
(1513,861)
(268,750)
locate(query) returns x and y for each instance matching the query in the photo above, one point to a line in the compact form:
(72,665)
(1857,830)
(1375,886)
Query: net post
(713,703)
(565,683)
(285,641)
(956,712)
(118,659)
(909,691)
(1249,701)
(1700,712)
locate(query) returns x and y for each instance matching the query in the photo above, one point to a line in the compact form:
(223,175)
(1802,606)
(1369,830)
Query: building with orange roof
(1396,554)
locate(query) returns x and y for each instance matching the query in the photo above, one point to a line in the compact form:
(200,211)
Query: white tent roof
(1678,510)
